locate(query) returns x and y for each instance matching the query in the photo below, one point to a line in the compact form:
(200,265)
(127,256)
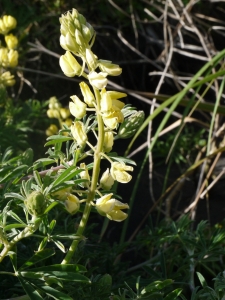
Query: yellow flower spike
(98,80)
(108,141)
(118,172)
(89,98)
(11,41)
(72,204)
(7,23)
(78,133)
(7,79)
(109,68)
(91,59)
(105,102)
(111,208)
(106,181)
(84,174)
(69,65)
(77,107)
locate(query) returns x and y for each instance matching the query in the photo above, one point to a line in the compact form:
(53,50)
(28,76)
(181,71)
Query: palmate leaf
(55,139)
(65,176)
(53,293)
(64,268)
(37,257)
(29,289)
(174,294)
(16,172)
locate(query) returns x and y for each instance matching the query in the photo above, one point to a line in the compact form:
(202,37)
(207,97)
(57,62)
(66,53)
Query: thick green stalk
(94,181)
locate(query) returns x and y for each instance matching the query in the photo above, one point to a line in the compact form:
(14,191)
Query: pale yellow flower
(7,79)
(108,141)
(7,23)
(51,130)
(109,68)
(106,180)
(72,204)
(91,59)
(111,208)
(77,107)
(89,98)
(78,133)
(68,42)
(69,65)
(98,80)
(11,41)
(118,172)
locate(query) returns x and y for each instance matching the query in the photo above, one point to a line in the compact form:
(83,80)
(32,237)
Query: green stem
(94,181)
(29,230)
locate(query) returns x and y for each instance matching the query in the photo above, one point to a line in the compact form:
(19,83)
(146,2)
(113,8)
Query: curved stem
(29,230)
(94,181)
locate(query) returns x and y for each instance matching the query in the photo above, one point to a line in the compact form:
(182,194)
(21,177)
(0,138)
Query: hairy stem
(29,230)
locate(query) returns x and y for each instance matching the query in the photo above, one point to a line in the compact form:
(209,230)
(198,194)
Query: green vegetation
(111,144)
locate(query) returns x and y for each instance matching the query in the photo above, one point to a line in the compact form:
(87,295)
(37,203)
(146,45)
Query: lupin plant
(72,184)
(77,38)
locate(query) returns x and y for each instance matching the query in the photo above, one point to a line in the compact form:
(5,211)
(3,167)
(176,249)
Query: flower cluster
(77,38)
(58,112)
(8,54)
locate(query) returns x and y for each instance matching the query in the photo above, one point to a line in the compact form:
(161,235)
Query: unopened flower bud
(106,180)
(77,107)
(91,59)
(118,172)
(36,203)
(116,95)
(11,41)
(108,141)
(98,80)
(68,42)
(72,204)
(84,174)
(79,39)
(89,98)
(87,32)
(62,194)
(78,132)
(105,102)
(109,68)
(69,65)
(130,125)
